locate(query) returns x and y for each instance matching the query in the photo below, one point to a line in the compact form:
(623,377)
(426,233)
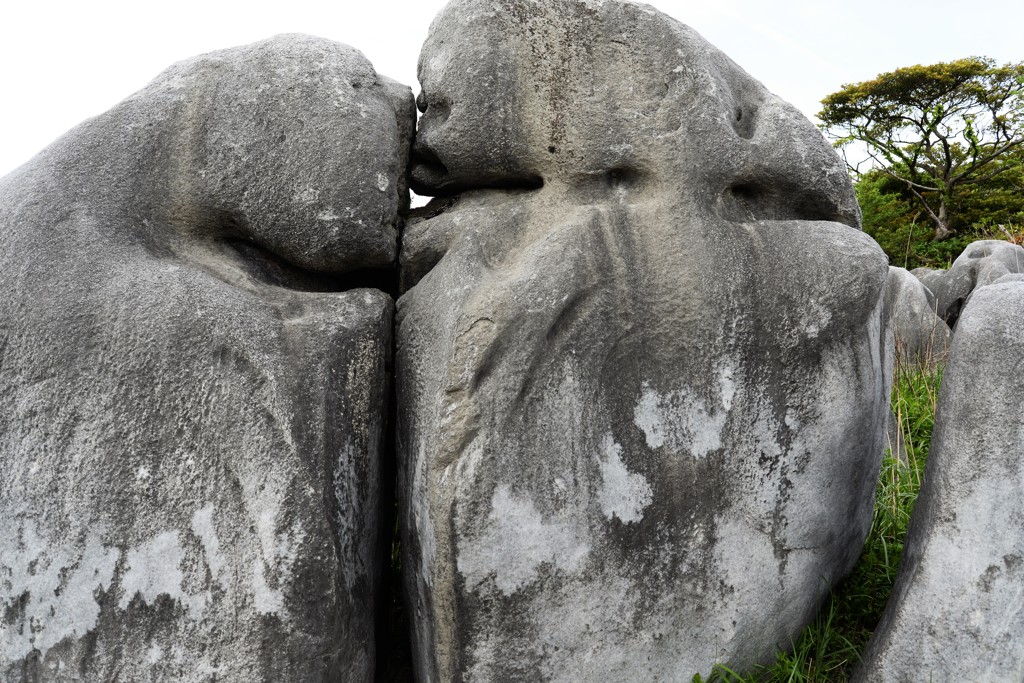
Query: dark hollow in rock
(982,263)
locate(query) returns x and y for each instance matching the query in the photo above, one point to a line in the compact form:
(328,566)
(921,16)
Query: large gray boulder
(618,463)
(981,263)
(956,612)
(194,378)
(921,336)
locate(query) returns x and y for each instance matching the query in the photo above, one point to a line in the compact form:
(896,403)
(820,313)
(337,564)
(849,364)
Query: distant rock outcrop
(922,337)
(956,613)
(193,384)
(981,263)
(620,463)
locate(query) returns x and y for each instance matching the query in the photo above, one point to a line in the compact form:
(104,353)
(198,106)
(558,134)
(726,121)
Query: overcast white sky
(62,62)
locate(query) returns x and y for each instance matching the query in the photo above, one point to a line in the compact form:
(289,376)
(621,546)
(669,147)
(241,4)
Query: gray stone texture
(193,382)
(642,355)
(921,336)
(981,263)
(930,278)
(956,612)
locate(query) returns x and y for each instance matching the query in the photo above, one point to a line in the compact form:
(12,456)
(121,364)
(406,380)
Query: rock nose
(427,173)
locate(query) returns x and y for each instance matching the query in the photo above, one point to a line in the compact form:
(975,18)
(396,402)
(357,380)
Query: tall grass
(828,650)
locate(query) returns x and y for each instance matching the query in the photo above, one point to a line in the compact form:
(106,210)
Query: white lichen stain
(282,558)
(155,653)
(265,600)
(60,584)
(266,527)
(514,544)
(420,510)
(816,319)
(202,527)
(683,421)
(382,182)
(647,415)
(728,385)
(154,569)
(623,494)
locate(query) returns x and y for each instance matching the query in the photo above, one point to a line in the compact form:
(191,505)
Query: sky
(62,62)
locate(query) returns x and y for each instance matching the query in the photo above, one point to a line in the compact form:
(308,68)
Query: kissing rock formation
(641,363)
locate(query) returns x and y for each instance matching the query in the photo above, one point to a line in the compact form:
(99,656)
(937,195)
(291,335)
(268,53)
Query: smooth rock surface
(618,464)
(981,263)
(957,610)
(922,337)
(190,430)
(930,278)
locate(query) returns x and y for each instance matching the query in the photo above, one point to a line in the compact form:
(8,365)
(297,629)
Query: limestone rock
(956,612)
(981,263)
(922,337)
(929,277)
(193,379)
(616,463)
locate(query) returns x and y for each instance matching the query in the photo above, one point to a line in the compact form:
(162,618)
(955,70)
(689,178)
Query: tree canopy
(936,130)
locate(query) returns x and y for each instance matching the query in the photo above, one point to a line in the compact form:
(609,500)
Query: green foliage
(896,224)
(937,130)
(994,210)
(829,649)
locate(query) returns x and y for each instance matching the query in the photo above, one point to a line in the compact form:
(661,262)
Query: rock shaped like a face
(471,134)
(306,153)
(641,407)
(194,381)
(956,609)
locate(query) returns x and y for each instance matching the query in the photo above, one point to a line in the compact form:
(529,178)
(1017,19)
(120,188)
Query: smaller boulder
(921,336)
(981,263)
(957,611)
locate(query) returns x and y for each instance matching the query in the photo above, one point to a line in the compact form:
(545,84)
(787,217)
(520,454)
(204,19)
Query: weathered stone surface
(192,382)
(956,613)
(922,337)
(617,463)
(929,277)
(981,263)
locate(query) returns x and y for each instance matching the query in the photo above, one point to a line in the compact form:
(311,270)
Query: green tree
(937,130)
(990,210)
